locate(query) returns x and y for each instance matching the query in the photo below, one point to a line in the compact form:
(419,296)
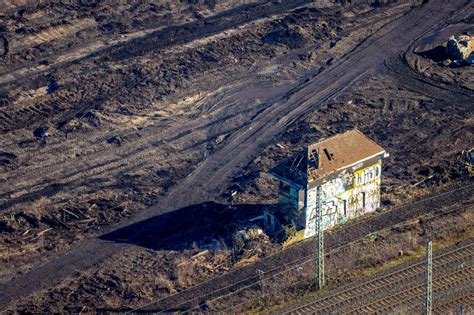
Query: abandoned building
(340,174)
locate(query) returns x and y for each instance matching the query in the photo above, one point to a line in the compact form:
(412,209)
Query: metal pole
(319,242)
(260,274)
(428,279)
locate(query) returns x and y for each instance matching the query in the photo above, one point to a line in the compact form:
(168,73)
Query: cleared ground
(173,105)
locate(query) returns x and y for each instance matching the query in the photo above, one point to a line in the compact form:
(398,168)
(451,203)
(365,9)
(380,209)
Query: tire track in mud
(211,176)
(400,70)
(128,156)
(248,9)
(275,119)
(58,162)
(167,37)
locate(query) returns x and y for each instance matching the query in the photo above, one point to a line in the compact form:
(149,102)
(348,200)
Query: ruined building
(340,174)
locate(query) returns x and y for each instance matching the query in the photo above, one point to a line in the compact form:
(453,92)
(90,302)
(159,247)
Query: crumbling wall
(291,200)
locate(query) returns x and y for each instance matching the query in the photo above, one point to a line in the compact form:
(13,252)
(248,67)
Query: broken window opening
(314,160)
(329,156)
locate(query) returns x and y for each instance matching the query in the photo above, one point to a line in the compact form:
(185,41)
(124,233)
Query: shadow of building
(180,229)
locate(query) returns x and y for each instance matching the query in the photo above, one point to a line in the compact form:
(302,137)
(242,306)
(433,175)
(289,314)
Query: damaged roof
(328,156)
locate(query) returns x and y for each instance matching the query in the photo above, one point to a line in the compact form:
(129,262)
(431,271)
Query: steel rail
(423,200)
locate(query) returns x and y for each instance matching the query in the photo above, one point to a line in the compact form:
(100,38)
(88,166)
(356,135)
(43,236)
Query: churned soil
(114,114)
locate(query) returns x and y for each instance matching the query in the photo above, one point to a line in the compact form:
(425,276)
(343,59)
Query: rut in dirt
(212,176)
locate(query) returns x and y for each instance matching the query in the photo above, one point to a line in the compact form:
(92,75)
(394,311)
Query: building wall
(351,194)
(291,199)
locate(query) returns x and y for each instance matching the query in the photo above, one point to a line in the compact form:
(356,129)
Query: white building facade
(346,169)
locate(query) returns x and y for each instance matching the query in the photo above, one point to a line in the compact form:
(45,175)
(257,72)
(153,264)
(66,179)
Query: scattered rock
(446,62)
(92,118)
(41,132)
(53,86)
(468,155)
(113,27)
(117,140)
(208,58)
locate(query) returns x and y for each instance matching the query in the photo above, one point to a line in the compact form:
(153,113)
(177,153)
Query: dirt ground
(105,108)
(423,128)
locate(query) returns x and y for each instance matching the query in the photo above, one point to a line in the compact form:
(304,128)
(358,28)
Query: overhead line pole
(428,279)
(319,242)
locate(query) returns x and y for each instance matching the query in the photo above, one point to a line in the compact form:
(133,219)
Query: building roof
(328,156)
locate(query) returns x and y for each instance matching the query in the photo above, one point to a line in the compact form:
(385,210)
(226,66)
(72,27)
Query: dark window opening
(329,156)
(314,159)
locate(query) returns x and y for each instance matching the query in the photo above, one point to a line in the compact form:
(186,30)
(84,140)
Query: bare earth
(156,110)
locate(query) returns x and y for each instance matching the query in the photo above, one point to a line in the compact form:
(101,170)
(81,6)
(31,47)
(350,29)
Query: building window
(378,170)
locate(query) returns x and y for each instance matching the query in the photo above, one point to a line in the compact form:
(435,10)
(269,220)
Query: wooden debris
(422,181)
(86,220)
(44,231)
(71,213)
(204,252)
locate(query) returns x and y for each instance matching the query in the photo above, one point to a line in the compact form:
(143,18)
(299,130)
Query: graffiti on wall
(339,204)
(332,188)
(367,175)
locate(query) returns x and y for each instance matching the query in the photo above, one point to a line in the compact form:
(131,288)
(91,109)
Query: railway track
(413,295)
(459,296)
(248,281)
(452,268)
(211,176)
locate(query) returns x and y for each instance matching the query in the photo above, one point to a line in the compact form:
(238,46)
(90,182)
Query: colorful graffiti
(341,202)
(367,175)
(332,188)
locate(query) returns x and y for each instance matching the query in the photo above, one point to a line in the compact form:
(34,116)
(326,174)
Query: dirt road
(257,128)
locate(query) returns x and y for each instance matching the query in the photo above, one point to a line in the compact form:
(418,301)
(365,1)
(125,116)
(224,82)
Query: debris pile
(249,245)
(460,49)
(41,132)
(469,159)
